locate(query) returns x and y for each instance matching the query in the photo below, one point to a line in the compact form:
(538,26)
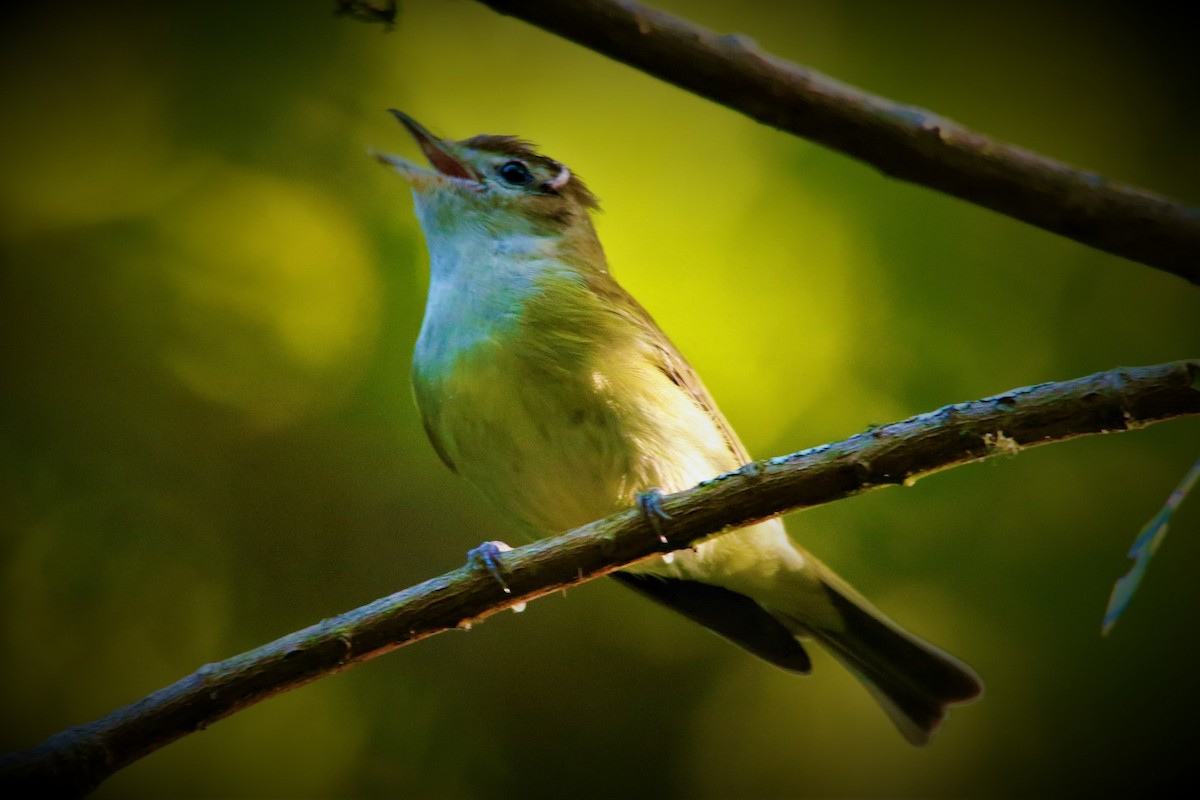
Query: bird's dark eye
(516,173)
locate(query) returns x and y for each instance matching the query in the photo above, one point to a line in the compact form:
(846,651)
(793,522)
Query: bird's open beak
(440,154)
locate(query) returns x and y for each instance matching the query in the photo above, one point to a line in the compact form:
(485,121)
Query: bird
(547,386)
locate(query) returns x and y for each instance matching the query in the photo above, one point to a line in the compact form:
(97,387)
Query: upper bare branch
(901,141)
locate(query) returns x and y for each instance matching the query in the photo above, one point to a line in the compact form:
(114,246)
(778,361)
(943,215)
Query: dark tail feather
(914,681)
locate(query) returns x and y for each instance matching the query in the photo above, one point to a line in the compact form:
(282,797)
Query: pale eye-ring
(516,173)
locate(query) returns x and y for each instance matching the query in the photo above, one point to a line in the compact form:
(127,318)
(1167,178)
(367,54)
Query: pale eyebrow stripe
(560,180)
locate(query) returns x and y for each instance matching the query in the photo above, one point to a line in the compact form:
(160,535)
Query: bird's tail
(914,681)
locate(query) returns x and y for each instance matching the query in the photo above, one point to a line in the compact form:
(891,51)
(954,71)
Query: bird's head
(492,185)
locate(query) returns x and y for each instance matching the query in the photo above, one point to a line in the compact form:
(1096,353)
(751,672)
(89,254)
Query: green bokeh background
(208,298)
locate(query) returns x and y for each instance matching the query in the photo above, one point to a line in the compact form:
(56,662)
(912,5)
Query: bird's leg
(487,556)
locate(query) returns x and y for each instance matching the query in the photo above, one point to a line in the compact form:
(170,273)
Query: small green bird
(548,387)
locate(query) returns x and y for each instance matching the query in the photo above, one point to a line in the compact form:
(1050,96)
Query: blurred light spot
(277,297)
(759,287)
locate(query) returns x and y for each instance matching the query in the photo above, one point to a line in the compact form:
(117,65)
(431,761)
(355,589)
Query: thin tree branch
(905,142)
(76,760)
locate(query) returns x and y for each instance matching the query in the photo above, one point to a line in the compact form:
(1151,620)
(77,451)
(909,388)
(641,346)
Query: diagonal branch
(77,759)
(905,142)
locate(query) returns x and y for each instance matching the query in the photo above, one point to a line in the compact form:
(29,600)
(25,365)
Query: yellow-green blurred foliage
(208,297)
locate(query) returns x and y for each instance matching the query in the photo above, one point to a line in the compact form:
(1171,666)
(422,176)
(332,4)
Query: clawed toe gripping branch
(650,504)
(487,556)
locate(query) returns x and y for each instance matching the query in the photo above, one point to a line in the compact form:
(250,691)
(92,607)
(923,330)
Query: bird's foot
(487,555)
(649,503)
